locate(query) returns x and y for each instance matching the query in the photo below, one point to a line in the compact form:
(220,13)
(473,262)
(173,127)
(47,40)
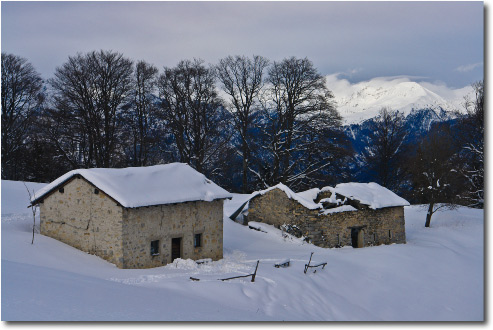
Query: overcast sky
(431,41)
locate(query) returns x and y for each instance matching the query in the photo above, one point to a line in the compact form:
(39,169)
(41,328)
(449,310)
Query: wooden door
(354,237)
(175,248)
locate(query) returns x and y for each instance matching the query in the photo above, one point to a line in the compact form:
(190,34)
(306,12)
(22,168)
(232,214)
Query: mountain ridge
(363,100)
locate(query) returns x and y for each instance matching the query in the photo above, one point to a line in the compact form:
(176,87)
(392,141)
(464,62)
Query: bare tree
(89,91)
(303,136)
(242,79)
(433,171)
(139,117)
(34,208)
(21,96)
(470,140)
(382,156)
(192,111)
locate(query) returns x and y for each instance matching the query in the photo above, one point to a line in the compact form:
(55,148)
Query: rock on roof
(371,194)
(146,186)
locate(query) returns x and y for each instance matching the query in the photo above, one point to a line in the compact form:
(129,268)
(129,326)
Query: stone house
(137,217)
(350,214)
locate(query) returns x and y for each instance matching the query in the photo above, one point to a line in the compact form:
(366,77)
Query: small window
(61,190)
(390,234)
(154,248)
(96,191)
(197,242)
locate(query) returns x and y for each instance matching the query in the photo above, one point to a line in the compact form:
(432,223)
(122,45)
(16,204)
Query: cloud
(468,67)
(358,39)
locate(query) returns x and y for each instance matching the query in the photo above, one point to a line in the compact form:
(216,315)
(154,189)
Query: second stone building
(349,214)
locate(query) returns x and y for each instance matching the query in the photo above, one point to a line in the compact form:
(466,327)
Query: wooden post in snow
(255,272)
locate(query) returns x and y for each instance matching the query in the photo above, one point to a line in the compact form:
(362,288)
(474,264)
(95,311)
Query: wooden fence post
(255,273)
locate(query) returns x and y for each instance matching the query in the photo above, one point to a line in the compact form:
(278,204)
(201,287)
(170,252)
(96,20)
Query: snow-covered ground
(437,275)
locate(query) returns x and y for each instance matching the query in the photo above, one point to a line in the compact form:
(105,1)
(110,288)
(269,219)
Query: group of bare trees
(100,109)
(21,97)
(383,156)
(246,122)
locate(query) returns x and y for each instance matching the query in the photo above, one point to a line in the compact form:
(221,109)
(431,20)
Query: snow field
(437,275)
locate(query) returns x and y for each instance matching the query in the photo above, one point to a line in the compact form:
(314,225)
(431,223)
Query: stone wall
(275,208)
(382,226)
(143,225)
(85,220)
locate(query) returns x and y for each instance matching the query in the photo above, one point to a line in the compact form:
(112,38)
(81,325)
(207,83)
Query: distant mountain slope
(363,100)
(416,122)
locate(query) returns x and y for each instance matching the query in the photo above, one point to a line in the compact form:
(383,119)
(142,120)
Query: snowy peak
(363,100)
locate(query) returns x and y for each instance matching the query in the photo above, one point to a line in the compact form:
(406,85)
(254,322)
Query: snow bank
(371,194)
(145,186)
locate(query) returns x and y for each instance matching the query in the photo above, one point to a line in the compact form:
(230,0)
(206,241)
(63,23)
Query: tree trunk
(428,215)
(245,162)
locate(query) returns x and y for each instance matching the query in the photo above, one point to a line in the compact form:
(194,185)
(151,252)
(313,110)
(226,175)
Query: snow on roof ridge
(291,194)
(371,194)
(146,186)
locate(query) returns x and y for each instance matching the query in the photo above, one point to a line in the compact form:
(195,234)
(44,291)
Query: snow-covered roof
(145,186)
(371,194)
(310,194)
(342,208)
(292,195)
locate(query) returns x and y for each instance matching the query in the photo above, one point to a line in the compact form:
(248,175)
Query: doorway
(175,248)
(357,237)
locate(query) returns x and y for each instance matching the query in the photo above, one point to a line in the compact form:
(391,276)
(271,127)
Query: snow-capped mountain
(363,100)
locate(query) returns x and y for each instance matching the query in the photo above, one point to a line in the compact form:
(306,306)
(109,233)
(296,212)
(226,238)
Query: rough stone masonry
(81,215)
(371,227)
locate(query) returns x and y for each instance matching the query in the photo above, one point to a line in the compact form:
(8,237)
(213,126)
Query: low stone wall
(143,225)
(87,221)
(382,226)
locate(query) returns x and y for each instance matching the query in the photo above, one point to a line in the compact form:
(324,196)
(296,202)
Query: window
(197,242)
(61,190)
(96,191)
(390,234)
(154,248)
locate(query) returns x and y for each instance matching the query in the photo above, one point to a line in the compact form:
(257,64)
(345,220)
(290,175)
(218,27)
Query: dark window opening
(96,191)
(390,234)
(197,242)
(154,248)
(61,190)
